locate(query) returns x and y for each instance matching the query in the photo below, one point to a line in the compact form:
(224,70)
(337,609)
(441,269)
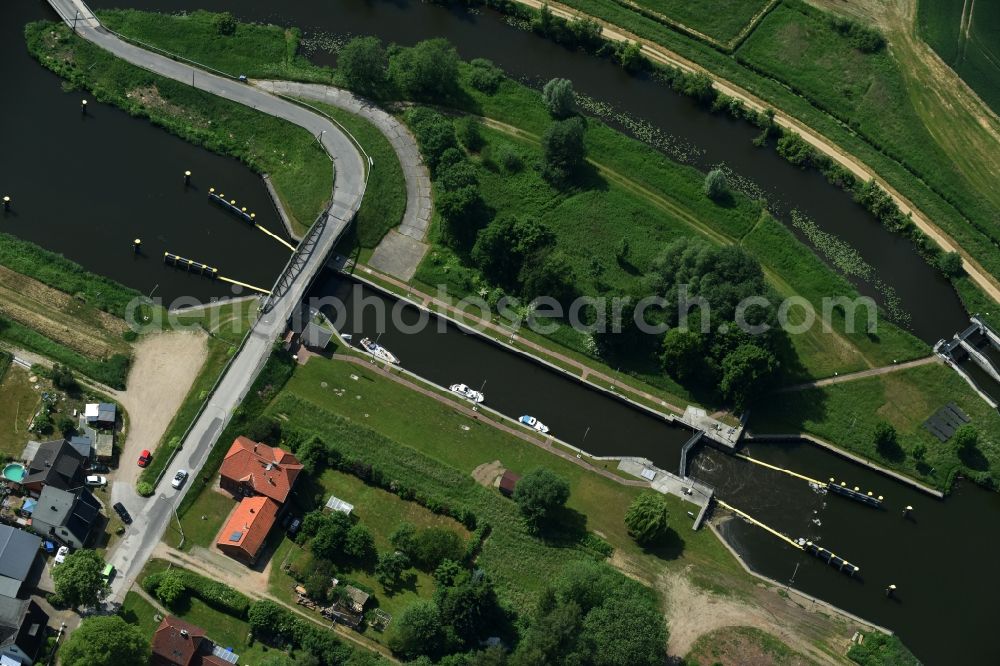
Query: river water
(87,186)
(97,175)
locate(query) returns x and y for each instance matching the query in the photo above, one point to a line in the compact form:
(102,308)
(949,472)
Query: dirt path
(661,55)
(163,369)
(854,376)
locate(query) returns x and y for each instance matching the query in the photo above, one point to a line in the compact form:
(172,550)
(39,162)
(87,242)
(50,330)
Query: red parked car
(144,458)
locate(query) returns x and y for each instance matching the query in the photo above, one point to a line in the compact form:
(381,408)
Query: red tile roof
(248,526)
(270,471)
(174,648)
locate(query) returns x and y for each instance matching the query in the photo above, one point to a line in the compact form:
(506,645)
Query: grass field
(381,512)
(257,50)
(720,19)
(742,645)
(300,170)
(202,520)
(967,37)
(846,414)
(437,431)
(19,403)
(385,197)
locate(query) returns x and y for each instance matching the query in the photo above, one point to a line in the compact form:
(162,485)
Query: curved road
(152,515)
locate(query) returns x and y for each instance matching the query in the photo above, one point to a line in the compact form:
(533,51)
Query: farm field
(720,19)
(967,37)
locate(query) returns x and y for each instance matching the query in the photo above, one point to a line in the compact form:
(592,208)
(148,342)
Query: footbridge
(152,515)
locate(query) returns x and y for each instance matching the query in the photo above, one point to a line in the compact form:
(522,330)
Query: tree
(390,569)
(683,354)
(462,211)
(264,429)
(419,631)
(426,71)
(647,518)
(559,98)
(950,263)
(503,246)
(884,438)
(62,378)
(469,609)
(552,638)
(629,55)
(540,493)
(563,151)
(548,274)
(312,455)
(469,132)
(359,543)
(966,438)
(434,545)
(171,587)
(402,537)
(363,67)
(717,185)
(331,538)
(448,573)
(745,373)
(144,488)
(625,631)
(485,76)
(225,24)
(435,134)
(67,426)
(78,580)
(104,640)
(43,422)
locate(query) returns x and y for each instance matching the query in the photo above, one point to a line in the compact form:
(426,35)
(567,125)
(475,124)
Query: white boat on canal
(534,423)
(378,351)
(467,393)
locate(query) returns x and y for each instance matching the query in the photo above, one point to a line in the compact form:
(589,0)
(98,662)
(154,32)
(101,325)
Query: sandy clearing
(163,369)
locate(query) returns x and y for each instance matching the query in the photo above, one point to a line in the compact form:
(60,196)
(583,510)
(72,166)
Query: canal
(940,557)
(86,186)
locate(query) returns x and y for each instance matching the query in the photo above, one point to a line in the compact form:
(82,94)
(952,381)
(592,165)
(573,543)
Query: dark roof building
(68,517)
(180,643)
(508,482)
(18,554)
(250,468)
(100,414)
(22,630)
(82,444)
(56,464)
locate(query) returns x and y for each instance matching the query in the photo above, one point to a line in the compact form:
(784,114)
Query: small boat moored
(534,423)
(378,351)
(467,393)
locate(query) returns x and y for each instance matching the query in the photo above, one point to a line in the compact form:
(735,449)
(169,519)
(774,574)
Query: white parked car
(179,478)
(97,480)
(61,554)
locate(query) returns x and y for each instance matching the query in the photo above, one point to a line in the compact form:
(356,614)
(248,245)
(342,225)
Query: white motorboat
(532,422)
(378,351)
(467,393)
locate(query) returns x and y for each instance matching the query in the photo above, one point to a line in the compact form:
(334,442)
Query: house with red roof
(251,468)
(243,535)
(180,643)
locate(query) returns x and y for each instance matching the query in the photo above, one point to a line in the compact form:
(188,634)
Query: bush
(647,518)
(539,494)
(225,23)
(469,132)
(508,157)
(559,98)
(363,67)
(144,488)
(433,545)
(563,150)
(950,263)
(485,76)
(215,594)
(426,71)
(717,185)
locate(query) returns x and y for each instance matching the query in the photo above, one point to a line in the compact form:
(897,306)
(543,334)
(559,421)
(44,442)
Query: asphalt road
(152,515)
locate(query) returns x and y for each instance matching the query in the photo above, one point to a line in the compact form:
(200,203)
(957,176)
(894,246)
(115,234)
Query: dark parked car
(99,468)
(123,513)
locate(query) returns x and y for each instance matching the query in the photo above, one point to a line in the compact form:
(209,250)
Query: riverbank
(919,192)
(297,165)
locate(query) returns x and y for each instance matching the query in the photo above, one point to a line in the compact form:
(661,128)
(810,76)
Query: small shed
(101,414)
(105,448)
(508,481)
(337,504)
(82,444)
(356,598)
